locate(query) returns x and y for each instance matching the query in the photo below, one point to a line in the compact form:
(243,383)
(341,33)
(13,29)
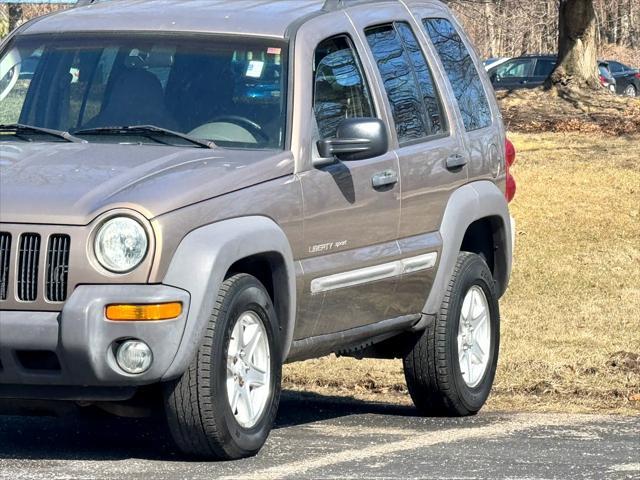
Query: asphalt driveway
(322,437)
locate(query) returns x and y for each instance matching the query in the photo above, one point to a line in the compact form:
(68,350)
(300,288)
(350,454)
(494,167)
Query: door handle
(384,179)
(455,162)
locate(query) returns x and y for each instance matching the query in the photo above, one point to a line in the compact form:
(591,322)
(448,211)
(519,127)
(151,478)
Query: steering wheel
(252,127)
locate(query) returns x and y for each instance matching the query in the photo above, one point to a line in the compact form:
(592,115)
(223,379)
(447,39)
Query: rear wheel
(451,368)
(224,405)
(630,91)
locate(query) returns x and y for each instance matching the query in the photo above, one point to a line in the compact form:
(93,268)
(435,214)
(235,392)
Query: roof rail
(84,3)
(334,5)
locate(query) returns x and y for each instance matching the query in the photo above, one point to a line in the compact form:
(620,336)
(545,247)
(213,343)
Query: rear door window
(461,70)
(430,96)
(412,94)
(616,67)
(544,67)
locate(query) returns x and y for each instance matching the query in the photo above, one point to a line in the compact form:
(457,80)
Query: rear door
(543,68)
(427,141)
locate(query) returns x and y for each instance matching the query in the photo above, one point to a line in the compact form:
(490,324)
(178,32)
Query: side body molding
(201,262)
(472,202)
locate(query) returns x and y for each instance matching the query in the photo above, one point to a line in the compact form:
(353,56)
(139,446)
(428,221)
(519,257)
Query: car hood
(72,183)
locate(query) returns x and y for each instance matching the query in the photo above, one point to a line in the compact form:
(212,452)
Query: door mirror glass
(9,72)
(356,139)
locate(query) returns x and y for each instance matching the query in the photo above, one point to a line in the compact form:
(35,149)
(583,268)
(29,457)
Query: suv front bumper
(75,347)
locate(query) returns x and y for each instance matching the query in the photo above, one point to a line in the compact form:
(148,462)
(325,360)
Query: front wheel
(451,368)
(224,405)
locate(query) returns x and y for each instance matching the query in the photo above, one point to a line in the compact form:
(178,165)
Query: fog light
(134,357)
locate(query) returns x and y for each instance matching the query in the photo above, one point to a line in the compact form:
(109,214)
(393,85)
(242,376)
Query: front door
(514,74)
(350,224)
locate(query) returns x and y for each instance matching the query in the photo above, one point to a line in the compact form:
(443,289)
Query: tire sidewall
(474,272)
(246,295)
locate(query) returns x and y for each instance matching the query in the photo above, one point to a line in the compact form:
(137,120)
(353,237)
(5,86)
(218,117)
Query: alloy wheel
(248,370)
(474,336)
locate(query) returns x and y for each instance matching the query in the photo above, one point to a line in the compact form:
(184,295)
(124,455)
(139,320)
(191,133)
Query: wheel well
(270,269)
(487,238)
(258,266)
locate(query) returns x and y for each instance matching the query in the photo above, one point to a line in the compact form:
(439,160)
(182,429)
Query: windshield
(230,91)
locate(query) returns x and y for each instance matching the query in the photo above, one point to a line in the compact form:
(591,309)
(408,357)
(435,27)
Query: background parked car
(606,77)
(494,62)
(529,71)
(627,78)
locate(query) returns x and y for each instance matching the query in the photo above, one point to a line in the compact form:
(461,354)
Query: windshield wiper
(145,130)
(20,129)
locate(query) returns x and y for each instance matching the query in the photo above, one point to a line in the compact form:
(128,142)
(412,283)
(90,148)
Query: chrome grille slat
(57,268)
(5,255)
(29,256)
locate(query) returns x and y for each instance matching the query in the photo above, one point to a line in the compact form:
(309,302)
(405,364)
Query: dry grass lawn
(571,318)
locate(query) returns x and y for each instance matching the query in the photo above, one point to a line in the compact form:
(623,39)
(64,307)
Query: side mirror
(356,139)
(9,72)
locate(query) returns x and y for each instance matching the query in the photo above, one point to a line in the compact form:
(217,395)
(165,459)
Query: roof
(270,18)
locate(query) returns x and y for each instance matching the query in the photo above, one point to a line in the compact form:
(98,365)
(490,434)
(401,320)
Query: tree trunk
(15,15)
(577,46)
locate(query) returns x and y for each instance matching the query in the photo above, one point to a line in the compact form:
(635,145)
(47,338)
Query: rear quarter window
(463,75)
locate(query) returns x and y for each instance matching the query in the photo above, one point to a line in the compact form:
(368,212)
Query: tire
(630,91)
(433,371)
(197,405)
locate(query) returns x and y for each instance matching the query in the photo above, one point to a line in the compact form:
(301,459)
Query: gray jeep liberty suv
(193,193)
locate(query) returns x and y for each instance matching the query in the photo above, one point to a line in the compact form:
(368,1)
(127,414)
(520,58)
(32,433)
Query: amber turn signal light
(139,313)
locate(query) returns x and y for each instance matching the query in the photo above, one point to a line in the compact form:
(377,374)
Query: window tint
(515,68)
(430,95)
(462,73)
(615,67)
(407,81)
(544,67)
(604,70)
(340,90)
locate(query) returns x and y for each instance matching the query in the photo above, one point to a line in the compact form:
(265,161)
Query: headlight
(121,244)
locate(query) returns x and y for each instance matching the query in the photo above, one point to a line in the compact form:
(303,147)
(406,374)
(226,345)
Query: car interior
(232,94)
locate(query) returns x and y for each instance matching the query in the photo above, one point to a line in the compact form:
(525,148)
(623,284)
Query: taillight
(637,75)
(603,80)
(510,159)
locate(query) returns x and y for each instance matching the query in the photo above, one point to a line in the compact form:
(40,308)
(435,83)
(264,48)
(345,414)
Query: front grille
(5,254)
(57,267)
(29,256)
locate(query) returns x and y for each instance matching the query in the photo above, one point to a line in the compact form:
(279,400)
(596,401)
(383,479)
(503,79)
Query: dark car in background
(627,78)
(529,71)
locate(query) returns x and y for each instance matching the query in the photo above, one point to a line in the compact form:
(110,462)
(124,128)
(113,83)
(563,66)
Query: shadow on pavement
(91,435)
(300,408)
